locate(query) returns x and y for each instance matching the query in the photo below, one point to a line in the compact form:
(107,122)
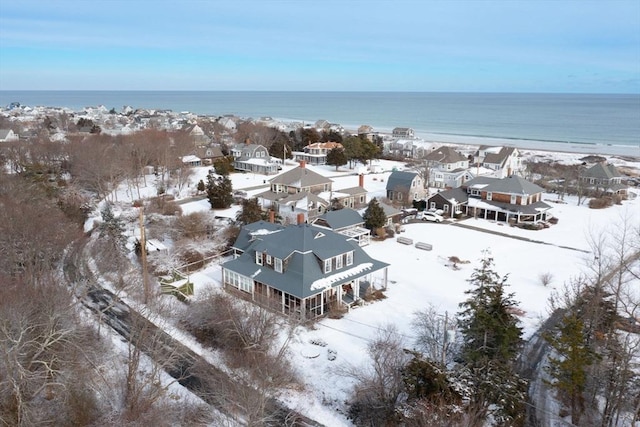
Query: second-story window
(489,195)
(350,258)
(268,259)
(327,265)
(277,265)
(338,262)
(259,258)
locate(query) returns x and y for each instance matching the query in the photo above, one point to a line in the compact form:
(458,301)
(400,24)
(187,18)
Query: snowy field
(419,278)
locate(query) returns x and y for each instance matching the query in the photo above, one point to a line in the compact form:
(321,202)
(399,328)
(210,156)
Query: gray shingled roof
(342,218)
(304,247)
(388,209)
(510,185)
(500,157)
(256,229)
(445,154)
(399,179)
(514,185)
(456,194)
(301,177)
(602,171)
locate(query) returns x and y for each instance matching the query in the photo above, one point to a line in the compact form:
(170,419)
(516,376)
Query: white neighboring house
(192,160)
(316,154)
(253,158)
(447,168)
(7,135)
(504,161)
(228,123)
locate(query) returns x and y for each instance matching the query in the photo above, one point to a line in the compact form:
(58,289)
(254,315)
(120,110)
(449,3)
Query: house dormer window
(258,258)
(268,259)
(338,262)
(277,265)
(350,258)
(327,265)
(489,195)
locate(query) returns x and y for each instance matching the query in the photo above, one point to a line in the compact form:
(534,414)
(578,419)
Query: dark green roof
(304,247)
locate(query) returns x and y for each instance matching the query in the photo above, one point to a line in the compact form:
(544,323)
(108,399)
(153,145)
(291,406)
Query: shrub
(545,278)
(601,202)
(164,206)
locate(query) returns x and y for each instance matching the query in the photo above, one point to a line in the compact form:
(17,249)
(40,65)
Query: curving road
(187,367)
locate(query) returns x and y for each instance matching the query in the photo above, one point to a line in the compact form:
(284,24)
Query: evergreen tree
(223,165)
(368,151)
(489,328)
(569,369)
(336,157)
(250,212)
(491,341)
(219,192)
(352,149)
(112,227)
(425,379)
(201,186)
(374,216)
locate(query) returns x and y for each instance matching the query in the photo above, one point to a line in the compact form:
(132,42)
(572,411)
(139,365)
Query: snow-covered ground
(419,278)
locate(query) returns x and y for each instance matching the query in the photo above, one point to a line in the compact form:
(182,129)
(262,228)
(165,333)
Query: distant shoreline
(604,124)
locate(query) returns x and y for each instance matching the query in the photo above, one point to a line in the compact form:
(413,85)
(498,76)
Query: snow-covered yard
(418,278)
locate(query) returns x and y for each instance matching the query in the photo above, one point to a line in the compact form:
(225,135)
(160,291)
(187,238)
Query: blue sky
(347,45)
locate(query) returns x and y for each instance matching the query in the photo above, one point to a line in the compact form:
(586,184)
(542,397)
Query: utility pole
(143,255)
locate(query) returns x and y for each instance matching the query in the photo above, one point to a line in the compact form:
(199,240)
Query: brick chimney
(303,163)
(272,216)
(361,180)
(300,218)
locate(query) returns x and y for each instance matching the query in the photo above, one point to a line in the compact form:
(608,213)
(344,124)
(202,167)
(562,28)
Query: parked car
(436,211)
(431,216)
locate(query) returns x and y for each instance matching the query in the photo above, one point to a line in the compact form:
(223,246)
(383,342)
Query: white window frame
(350,258)
(268,259)
(277,265)
(514,199)
(258,258)
(489,195)
(327,265)
(338,262)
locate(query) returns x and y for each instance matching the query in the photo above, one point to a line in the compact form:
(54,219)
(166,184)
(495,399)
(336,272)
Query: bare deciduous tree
(379,384)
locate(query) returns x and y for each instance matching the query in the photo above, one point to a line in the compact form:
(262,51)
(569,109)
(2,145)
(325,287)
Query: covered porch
(346,294)
(504,212)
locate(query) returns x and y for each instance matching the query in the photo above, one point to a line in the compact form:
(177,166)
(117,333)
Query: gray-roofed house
(303,191)
(510,199)
(604,177)
(504,161)
(296,191)
(345,221)
(208,153)
(452,202)
(303,270)
(403,187)
(253,158)
(393,215)
(447,167)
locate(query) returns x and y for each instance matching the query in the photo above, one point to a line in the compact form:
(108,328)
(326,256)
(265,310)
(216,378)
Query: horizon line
(322,91)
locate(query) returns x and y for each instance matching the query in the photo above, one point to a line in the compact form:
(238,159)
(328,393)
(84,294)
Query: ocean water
(590,121)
